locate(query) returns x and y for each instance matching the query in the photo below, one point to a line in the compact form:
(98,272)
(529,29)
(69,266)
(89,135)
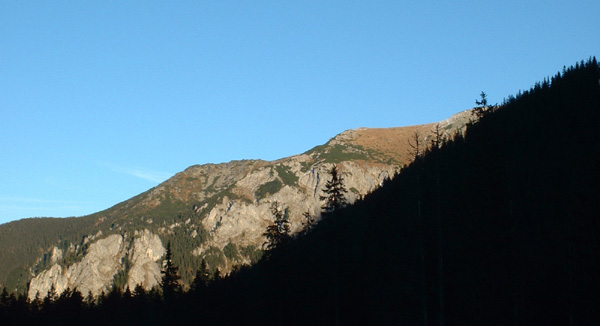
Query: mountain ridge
(209,209)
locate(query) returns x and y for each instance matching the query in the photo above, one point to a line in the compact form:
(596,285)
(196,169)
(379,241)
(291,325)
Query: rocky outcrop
(243,223)
(96,270)
(145,253)
(91,274)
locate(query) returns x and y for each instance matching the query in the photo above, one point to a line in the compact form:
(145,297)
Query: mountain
(497,225)
(216,212)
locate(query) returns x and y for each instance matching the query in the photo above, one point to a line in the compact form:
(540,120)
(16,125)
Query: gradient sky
(102,100)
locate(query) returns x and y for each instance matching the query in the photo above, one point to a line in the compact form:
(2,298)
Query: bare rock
(92,274)
(147,249)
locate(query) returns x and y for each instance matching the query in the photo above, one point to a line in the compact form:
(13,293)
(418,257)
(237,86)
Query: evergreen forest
(498,225)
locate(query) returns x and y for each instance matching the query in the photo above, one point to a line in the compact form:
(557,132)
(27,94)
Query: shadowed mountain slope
(499,227)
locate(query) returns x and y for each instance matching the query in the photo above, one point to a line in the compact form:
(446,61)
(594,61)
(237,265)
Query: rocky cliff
(98,267)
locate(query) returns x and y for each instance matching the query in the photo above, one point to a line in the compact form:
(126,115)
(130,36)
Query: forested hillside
(496,226)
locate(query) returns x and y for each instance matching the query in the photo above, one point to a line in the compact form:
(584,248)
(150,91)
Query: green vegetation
(287,176)
(211,188)
(120,279)
(270,187)
(317,149)
(229,193)
(165,212)
(339,153)
(218,198)
(231,251)
(305,166)
(24,242)
(252,252)
(348,152)
(214,258)
(182,245)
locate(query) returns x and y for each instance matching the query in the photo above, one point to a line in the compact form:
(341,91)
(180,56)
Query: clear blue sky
(102,100)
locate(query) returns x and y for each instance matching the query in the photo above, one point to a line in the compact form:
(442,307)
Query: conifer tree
(4,304)
(36,303)
(51,296)
(308,223)
(202,277)
(216,275)
(335,191)
(4,297)
(127,294)
(170,276)
(277,233)
(90,300)
(482,108)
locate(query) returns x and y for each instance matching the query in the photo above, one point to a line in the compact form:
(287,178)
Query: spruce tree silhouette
(335,191)
(202,278)
(170,277)
(482,109)
(278,233)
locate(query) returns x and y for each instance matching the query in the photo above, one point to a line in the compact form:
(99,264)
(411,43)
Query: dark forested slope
(497,227)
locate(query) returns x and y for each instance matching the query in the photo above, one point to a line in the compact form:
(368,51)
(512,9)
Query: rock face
(96,270)
(228,208)
(146,251)
(243,223)
(91,274)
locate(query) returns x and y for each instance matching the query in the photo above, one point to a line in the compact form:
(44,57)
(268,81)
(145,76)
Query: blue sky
(102,100)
